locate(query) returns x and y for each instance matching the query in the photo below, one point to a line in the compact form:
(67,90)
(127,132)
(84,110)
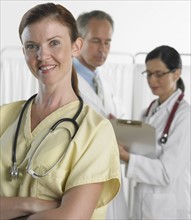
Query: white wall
(139,25)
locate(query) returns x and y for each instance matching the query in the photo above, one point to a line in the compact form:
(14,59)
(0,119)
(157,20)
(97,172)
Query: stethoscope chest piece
(14,172)
(163,139)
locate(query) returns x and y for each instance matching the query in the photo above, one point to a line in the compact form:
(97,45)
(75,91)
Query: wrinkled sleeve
(98,163)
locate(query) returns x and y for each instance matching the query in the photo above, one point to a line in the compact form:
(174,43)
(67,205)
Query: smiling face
(165,85)
(48,51)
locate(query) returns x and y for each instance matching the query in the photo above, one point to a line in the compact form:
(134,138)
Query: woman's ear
(76,47)
(177,74)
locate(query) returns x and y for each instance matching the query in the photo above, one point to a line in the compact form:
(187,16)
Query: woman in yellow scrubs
(67,172)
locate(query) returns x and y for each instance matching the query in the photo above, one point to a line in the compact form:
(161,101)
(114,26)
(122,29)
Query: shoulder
(11,107)
(92,116)
(95,122)
(9,113)
(185,108)
(183,113)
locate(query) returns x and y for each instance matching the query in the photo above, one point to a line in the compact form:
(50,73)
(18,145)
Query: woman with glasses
(56,161)
(162,188)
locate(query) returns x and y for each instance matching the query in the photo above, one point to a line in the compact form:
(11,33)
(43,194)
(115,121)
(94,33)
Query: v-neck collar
(66,111)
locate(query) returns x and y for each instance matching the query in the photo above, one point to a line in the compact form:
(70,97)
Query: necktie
(95,83)
(98,88)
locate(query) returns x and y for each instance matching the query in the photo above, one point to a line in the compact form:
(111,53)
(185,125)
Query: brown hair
(59,13)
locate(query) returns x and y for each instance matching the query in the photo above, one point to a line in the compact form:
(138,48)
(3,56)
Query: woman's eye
(54,43)
(159,73)
(31,47)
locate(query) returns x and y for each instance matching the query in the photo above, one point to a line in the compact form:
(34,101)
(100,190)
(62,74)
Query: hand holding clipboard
(137,136)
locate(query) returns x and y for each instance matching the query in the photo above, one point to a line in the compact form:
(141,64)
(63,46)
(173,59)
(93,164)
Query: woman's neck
(164,97)
(55,97)
(53,101)
(46,103)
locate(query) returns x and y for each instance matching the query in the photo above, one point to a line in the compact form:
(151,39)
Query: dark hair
(58,13)
(83,20)
(170,57)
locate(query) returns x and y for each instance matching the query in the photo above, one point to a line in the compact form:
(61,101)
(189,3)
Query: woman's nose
(43,54)
(152,80)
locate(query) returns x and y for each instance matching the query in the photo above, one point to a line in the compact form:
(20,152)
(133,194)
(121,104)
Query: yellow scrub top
(92,156)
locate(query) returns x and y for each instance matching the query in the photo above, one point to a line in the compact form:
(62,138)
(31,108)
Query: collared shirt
(85,73)
(106,100)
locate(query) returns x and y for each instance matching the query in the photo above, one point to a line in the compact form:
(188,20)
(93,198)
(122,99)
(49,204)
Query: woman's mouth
(46,68)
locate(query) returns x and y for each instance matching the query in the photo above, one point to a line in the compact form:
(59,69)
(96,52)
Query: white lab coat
(118,208)
(89,96)
(163,184)
(112,103)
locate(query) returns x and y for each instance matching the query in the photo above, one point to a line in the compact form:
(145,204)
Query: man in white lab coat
(96,29)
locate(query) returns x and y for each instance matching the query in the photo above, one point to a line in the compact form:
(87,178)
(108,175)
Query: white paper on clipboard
(137,136)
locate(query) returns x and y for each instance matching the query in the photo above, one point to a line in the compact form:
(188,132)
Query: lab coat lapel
(89,96)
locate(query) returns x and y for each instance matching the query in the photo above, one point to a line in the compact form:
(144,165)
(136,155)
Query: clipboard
(138,137)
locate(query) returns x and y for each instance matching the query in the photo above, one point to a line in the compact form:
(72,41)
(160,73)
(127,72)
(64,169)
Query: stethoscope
(14,170)
(164,137)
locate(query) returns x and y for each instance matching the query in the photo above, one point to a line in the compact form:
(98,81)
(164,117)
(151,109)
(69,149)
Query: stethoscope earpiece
(32,173)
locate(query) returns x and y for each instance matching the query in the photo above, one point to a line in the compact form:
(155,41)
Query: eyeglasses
(157,74)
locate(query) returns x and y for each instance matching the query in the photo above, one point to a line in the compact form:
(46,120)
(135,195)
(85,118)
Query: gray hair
(83,20)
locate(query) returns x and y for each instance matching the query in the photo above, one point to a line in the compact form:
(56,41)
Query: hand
(124,154)
(22,207)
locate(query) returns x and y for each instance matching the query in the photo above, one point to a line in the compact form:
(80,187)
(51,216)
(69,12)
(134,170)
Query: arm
(172,158)
(77,203)
(13,207)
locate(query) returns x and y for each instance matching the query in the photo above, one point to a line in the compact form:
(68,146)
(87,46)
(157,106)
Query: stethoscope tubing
(31,171)
(14,172)
(18,128)
(165,132)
